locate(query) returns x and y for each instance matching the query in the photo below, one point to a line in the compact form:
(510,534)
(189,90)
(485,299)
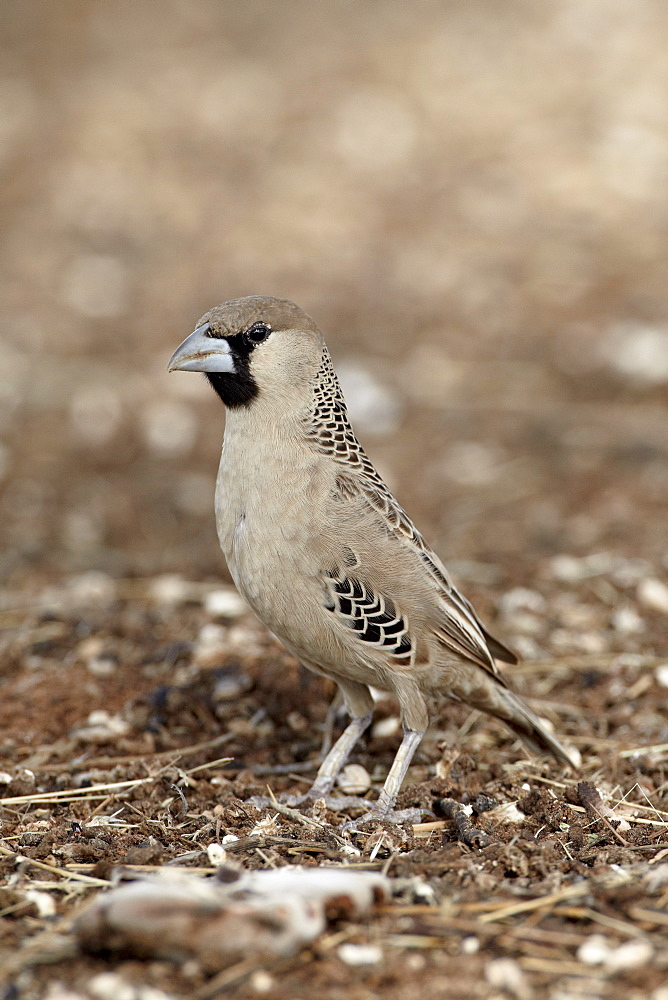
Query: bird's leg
(337,756)
(384,807)
(330,721)
(328,770)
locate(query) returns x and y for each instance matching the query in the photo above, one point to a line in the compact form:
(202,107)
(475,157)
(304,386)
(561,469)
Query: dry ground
(470,199)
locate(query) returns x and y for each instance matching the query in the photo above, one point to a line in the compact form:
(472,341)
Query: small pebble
(225,604)
(630,955)
(661,674)
(594,951)
(360,954)
(385,727)
(101,727)
(638,351)
(521,599)
(170,588)
(216,854)
(627,621)
(110,986)
(653,593)
(470,945)
(354,780)
(42,901)
(261,981)
(506,974)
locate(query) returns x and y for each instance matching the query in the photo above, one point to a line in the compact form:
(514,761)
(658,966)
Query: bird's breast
(267,510)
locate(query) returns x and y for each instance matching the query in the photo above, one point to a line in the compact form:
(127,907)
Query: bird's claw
(336,803)
(397,817)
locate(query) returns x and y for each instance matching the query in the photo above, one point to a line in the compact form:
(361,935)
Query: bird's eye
(257,333)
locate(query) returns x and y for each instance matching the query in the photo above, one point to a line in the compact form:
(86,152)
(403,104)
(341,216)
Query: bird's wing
(458,626)
(372,616)
(330,433)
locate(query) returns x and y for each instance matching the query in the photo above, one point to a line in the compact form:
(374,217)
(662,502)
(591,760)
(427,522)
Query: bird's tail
(508,707)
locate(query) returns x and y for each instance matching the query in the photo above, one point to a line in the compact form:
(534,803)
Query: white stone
(627,621)
(653,594)
(261,981)
(506,974)
(111,986)
(360,954)
(216,854)
(170,588)
(385,727)
(507,813)
(638,351)
(225,603)
(44,903)
(661,674)
(92,587)
(354,780)
(595,950)
(631,955)
(521,599)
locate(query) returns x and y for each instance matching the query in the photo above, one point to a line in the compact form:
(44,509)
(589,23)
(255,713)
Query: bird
(324,554)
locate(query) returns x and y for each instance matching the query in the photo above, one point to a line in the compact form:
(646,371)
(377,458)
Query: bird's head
(251,347)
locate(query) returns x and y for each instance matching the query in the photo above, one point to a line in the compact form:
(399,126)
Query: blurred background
(468,197)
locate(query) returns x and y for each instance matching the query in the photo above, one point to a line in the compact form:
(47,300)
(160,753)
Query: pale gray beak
(199,353)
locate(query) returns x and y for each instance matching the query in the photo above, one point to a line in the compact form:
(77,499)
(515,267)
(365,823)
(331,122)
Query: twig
(596,808)
(466,833)
(569,892)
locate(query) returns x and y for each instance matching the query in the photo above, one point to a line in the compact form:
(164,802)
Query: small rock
(506,974)
(170,588)
(638,351)
(354,780)
(58,991)
(521,599)
(594,950)
(627,621)
(470,945)
(231,686)
(225,603)
(630,955)
(92,587)
(101,727)
(42,901)
(211,644)
(653,593)
(261,981)
(661,674)
(385,727)
(508,812)
(216,854)
(360,954)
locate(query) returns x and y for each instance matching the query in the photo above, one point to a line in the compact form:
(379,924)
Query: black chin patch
(237,388)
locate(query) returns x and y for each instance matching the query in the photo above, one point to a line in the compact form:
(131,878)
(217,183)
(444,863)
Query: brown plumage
(322,551)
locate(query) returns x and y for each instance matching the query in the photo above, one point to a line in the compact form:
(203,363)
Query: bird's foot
(376,816)
(336,803)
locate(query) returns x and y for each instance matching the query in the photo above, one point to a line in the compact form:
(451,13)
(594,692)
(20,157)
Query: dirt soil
(471,203)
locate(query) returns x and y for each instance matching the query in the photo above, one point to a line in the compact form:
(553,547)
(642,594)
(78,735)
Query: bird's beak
(199,353)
